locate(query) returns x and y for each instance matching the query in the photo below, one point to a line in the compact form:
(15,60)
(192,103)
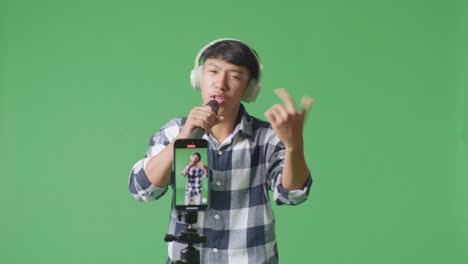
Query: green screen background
(182,159)
(84,85)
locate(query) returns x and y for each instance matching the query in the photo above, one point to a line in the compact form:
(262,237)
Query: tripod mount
(189,236)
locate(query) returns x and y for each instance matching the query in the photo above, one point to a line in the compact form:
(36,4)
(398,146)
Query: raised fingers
(277,114)
(306,102)
(287,100)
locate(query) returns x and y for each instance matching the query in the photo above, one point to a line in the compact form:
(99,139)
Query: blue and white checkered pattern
(239,225)
(194,180)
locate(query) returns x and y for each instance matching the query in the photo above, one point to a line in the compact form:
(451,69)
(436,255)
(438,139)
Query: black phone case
(188,144)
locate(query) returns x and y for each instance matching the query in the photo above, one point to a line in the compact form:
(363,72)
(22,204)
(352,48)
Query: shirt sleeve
(294,197)
(140,187)
(281,195)
(138,183)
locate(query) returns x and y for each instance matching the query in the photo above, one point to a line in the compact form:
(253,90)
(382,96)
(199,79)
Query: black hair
(234,52)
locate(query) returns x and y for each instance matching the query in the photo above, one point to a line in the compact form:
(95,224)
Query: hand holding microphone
(199,131)
(201,119)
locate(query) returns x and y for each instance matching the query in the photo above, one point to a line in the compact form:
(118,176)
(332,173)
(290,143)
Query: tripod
(188,255)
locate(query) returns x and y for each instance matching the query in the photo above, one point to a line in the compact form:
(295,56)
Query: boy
(194,172)
(249,157)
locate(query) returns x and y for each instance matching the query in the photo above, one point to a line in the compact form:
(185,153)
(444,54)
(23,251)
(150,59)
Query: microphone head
(214,105)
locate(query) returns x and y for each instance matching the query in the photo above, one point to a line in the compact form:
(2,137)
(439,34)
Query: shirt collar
(245,124)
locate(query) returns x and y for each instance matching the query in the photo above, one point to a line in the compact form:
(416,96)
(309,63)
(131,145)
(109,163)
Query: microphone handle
(198,132)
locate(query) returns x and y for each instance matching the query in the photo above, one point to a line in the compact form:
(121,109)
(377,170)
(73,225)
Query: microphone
(198,132)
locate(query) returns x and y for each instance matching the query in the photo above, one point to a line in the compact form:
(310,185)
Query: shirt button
(215,250)
(218,183)
(220,152)
(216,216)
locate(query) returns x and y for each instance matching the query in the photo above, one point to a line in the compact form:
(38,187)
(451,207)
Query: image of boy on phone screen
(194,171)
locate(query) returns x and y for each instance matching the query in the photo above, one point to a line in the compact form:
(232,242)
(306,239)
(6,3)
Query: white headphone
(253,88)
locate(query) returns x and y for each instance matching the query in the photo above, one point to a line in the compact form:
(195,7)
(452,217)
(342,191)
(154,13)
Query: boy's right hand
(200,116)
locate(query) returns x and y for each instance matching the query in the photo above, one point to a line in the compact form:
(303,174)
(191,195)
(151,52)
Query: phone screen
(191,174)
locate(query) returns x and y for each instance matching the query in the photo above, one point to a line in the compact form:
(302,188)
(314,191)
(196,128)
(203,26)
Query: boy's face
(224,82)
(194,158)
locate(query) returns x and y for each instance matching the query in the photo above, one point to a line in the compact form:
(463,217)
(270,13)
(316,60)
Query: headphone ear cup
(195,77)
(252,91)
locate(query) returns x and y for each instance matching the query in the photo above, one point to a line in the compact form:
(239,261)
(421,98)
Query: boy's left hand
(287,122)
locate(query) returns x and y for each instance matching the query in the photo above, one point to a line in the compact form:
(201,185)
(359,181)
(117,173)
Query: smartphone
(191,174)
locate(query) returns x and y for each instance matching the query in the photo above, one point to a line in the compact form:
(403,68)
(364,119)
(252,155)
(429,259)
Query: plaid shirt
(239,225)
(194,180)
